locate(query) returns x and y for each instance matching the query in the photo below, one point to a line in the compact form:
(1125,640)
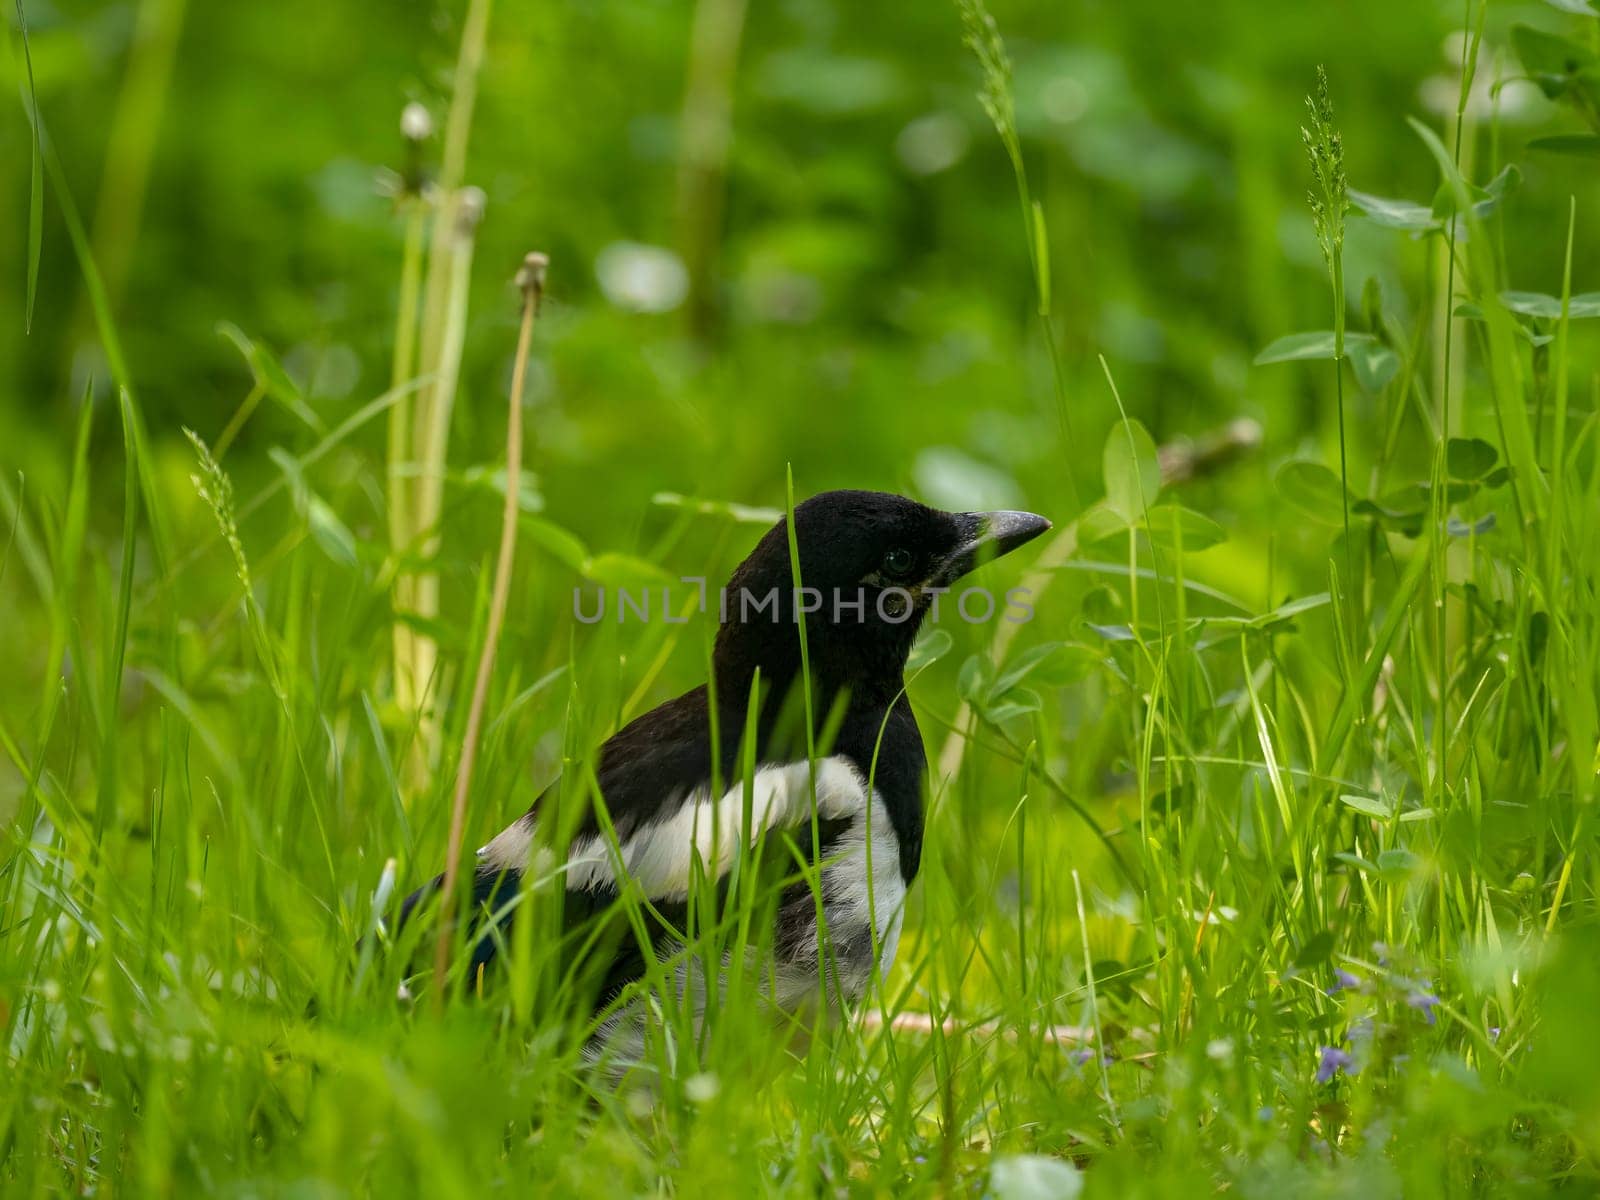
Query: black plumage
(871,566)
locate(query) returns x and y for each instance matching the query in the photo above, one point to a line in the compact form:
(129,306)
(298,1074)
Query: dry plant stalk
(430,449)
(401,472)
(531,280)
(419,438)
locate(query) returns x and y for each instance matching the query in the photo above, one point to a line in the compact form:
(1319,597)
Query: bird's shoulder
(655,760)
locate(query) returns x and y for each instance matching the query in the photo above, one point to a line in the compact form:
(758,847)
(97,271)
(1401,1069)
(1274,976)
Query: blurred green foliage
(851,293)
(873,286)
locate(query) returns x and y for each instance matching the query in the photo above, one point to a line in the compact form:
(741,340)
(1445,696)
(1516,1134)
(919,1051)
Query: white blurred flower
(931,144)
(1520,101)
(1034,1177)
(788,297)
(952,479)
(416,122)
(702,1088)
(640,278)
(1064,99)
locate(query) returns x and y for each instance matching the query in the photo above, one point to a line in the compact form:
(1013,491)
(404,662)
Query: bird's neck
(869,670)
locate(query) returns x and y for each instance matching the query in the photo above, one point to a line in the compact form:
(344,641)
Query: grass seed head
(216,489)
(983,38)
(1330,193)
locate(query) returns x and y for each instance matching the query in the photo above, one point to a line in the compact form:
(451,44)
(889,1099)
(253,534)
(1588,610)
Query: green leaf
(1373,363)
(330,533)
(933,645)
(565,547)
(1482,200)
(1402,508)
(1015,703)
(1551,60)
(1397,863)
(1470,458)
(1581,7)
(615,569)
(1369,806)
(1316,950)
(493,478)
(1025,664)
(35,180)
(743,514)
(1314,490)
(1356,861)
(327,530)
(1286,612)
(1394,214)
(1494,193)
(1099,522)
(1473,312)
(1101,605)
(1584,306)
(1171,525)
(1132,470)
(1111,633)
(269,375)
(1582,145)
(1456,527)
(973,681)
(1295,347)
(1448,171)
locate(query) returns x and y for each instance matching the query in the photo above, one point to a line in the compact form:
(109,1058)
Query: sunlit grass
(1225,887)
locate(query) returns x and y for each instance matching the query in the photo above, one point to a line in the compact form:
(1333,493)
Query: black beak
(988,535)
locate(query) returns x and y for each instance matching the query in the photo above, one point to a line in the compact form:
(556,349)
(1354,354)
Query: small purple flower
(1344,981)
(1082,1058)
(1424,1001)
(1494,1033)
(1334,1060)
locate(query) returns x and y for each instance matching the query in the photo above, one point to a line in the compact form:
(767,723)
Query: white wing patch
(660,854)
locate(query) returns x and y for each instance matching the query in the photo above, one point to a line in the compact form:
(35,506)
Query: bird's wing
(659,854)
(664,818)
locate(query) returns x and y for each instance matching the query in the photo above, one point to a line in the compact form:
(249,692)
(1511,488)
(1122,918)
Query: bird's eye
(899,562)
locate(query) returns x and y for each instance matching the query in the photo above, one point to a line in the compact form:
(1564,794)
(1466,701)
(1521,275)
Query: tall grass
(1215,893)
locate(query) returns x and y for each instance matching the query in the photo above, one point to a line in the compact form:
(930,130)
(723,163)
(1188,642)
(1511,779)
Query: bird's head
(871,567)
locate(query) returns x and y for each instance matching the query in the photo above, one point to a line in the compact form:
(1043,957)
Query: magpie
(838,770)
